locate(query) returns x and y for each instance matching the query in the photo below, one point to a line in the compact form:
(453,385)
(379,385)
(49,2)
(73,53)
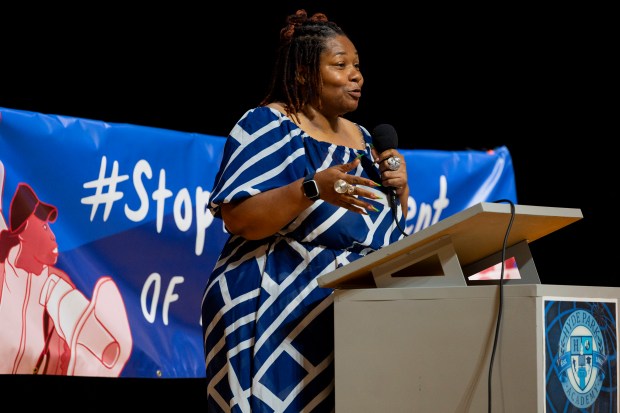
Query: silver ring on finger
(393,163)
(341,186)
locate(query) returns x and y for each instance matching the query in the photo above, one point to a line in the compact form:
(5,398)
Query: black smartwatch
(311,189)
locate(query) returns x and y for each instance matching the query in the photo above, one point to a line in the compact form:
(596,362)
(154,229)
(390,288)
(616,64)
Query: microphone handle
(393,197)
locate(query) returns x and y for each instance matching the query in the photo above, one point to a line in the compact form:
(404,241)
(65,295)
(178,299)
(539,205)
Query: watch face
(311,190)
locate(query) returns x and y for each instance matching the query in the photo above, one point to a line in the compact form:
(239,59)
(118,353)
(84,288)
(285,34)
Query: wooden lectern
(463,244)
(414,334)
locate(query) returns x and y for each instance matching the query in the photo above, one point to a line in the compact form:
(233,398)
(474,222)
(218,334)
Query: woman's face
(341,77)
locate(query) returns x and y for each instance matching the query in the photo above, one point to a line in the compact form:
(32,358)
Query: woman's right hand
(353,199)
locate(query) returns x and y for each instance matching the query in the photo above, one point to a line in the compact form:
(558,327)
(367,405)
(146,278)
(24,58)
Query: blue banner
(123,241)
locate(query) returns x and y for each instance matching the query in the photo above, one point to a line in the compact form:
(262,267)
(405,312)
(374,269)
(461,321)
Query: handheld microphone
(384,137)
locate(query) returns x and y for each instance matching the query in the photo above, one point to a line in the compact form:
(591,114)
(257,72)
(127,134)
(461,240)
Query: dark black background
(534,79)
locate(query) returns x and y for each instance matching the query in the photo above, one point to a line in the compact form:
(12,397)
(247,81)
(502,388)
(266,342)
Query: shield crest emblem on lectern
(581,360)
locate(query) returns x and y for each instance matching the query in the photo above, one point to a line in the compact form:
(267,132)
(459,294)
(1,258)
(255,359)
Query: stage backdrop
(126,207)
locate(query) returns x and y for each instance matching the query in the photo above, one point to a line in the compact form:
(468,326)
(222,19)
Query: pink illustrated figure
(47,326)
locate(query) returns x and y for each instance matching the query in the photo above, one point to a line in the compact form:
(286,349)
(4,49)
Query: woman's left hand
(393,170)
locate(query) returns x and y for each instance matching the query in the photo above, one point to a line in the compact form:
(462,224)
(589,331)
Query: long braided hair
(296,79)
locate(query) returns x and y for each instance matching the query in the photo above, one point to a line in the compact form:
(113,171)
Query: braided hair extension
(296,79)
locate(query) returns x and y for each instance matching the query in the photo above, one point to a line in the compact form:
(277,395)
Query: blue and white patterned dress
(268,326)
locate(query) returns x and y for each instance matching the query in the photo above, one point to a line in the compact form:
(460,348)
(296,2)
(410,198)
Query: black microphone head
(384,137)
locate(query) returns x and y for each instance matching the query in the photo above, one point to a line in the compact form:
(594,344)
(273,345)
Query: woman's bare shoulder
(277,106)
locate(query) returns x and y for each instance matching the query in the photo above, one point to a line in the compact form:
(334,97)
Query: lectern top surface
(475,233)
